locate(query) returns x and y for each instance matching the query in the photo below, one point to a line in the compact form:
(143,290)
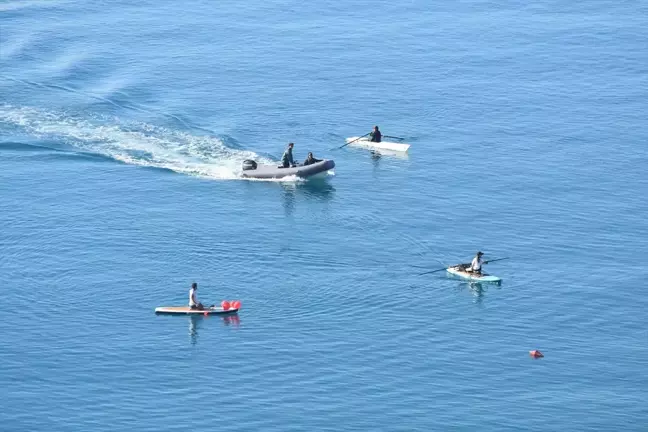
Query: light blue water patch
(122,131)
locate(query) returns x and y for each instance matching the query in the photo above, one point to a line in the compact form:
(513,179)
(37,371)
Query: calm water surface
(122,130)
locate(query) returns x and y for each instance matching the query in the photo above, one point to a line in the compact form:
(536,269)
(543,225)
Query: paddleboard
(186,310)
(383,145)
(473,277)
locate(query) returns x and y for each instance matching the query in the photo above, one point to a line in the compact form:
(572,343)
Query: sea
(123,126)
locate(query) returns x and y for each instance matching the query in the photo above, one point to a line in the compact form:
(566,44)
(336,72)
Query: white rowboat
(384,145)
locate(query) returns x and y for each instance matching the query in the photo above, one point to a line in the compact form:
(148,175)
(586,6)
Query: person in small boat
(311,160)
(375,135)
(287,158)
(476,264)
(193,301)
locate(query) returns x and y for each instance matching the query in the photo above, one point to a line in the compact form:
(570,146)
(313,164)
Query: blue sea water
(122,129)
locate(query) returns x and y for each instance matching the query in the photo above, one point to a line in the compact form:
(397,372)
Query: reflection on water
(375,159)
(377,156)
(317,188)
(477,289)
(233,320)
(196,322)
(288,196)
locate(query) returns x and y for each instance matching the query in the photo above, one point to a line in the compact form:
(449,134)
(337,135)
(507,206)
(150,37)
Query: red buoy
(225,305)
(536,354)
(206,313)
(236,304)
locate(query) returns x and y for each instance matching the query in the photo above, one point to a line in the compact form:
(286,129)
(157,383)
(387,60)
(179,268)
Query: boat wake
(133,143)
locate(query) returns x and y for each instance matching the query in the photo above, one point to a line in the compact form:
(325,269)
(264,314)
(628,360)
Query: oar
(393,137)
(465,265)
(357,139)
(421,267)
(433,271)
(498,259)
(444,268)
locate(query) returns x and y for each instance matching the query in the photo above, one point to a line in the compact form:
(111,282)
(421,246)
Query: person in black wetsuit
(311,160)
(287,158)
(375,135)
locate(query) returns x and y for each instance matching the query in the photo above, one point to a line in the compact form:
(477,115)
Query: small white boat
(383,145)
(457,271)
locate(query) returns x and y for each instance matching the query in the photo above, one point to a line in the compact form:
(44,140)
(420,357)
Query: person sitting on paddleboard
(375,135)
(287,158)
(311,160)
(476,264)
(193,302)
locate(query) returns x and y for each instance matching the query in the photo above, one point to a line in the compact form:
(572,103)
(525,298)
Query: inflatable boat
(252,170)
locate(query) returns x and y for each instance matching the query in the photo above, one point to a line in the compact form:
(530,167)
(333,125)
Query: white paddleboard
(473,277)
(186,310)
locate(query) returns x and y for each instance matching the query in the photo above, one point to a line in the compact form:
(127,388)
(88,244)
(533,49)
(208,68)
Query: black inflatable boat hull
(274,172)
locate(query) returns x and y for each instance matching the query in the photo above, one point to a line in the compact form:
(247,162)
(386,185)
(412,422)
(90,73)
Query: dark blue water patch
(76,155)
(53,150)
(28,11)
(228,140)
(125,102)
(29,147)
(154,168)
(269,155)
(117,102)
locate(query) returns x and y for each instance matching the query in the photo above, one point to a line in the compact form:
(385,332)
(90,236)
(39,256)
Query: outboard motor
(249,164)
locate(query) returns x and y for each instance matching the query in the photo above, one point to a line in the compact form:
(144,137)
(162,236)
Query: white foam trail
(134,143)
